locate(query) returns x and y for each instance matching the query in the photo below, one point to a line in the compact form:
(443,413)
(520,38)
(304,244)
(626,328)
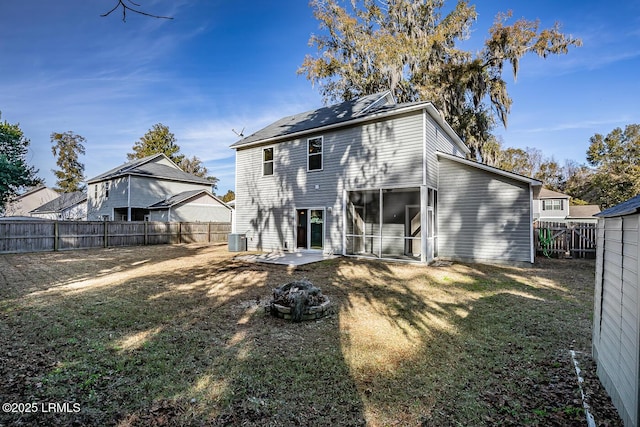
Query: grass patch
(178,335)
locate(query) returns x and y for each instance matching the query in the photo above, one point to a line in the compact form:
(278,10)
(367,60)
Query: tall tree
(67,147)
(616,158)
(552,174)
(579,183)
(194,166)
(516,160)
(15,173)
(158,139)
(410,47)
(229,196)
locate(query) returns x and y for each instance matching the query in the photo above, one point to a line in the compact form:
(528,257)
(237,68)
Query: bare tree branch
(125,8)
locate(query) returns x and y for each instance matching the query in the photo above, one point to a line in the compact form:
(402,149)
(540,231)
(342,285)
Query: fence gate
(565,239)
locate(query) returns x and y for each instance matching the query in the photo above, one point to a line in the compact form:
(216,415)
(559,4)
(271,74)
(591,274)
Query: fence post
(209,233)
(180,232)
(105,235)
(146,238)
(56,235)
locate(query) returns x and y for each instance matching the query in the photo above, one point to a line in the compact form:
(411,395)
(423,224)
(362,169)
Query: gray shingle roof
(181,197)
(545,193)
(119,170)
(62,202)
(175,199)
(321,117)
(147,167)
(629,207)
(583,211)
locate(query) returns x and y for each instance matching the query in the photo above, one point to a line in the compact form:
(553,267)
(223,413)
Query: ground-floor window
(384,223)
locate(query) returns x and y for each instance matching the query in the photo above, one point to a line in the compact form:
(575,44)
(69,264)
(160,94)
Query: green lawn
(179,335)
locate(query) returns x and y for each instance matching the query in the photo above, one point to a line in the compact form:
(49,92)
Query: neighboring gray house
(616,320)
(29,200)
(373,178)
(152,188)
(551,206)
(67,207)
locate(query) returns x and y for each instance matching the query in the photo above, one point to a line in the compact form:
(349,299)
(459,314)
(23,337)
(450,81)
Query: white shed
(616,320)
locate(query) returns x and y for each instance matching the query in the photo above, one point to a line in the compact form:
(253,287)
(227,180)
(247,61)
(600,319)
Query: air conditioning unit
(237,242)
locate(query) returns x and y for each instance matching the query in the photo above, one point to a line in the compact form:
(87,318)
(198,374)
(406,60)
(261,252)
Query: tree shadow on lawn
(181,337)
(168,340)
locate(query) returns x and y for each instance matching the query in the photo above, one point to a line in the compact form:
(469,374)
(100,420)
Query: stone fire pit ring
(299,300)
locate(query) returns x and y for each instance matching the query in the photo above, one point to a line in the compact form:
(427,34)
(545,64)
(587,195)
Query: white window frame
(272,161)
(321,153)
(552,205)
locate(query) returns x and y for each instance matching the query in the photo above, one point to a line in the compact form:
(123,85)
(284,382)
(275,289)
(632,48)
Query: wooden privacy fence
(562,239)
(37,236)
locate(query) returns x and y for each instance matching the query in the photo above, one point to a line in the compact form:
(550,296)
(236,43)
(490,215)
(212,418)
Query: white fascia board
(491,169)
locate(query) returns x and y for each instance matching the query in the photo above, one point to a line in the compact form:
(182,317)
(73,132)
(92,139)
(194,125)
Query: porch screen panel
(384,223)
(399,207)
(363,223)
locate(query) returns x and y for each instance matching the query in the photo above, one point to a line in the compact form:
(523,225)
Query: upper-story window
(552,205)
(314,146)
(107,186)
(95,191)
(267,161)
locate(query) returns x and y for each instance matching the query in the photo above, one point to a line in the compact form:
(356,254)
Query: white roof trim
(428,106)
(491,169)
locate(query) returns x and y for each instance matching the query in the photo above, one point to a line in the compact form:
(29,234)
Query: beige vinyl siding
(374,155)
(616,331)
(30,201)
(482,216)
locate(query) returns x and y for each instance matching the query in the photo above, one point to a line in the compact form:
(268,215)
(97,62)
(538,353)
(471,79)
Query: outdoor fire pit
(299,300)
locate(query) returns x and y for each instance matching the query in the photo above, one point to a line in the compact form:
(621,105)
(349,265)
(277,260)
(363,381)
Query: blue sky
(223,65)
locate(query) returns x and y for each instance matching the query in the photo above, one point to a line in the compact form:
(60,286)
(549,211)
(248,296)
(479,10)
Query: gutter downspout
(424,233)
(129,198)
(532,233)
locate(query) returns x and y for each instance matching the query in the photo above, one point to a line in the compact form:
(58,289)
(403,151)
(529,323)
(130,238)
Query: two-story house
(553,206)
(153,189)
(372,178)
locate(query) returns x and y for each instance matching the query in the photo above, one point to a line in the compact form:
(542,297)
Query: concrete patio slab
(290,259)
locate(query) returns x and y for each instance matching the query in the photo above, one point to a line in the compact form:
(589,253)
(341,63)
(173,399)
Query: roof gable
(349,113)
(155,166)
(185,196)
